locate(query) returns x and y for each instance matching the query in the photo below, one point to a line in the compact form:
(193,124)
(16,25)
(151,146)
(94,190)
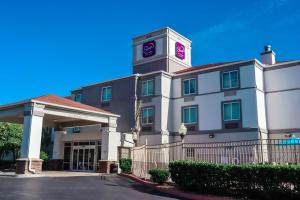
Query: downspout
(29,167)
(136,103)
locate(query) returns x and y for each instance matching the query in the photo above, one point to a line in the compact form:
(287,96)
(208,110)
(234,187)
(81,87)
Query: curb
(174,191)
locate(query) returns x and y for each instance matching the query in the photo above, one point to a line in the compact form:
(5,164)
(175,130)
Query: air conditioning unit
(191,127)
(146,128)
(231,125)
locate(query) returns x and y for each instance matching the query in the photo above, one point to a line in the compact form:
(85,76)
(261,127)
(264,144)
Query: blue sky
(56,46)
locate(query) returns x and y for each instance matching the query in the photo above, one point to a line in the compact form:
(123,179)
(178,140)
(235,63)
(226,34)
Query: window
(230,79)
(78,97)
(148,88)
(190,115)
(147,115)
(231,111)
(106,94)
(189,86)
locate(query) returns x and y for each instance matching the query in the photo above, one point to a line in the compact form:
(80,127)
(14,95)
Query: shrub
(43,156)
(254,181)
(159,176)
(125,165)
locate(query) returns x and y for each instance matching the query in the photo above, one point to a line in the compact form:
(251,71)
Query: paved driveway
(73,188)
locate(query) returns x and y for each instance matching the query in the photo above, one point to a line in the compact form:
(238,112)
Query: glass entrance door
(83,158)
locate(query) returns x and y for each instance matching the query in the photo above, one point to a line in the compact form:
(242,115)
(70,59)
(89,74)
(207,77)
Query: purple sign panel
(149,49)
(180,50)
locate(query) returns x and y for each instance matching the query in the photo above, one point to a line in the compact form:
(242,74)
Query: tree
(10,139)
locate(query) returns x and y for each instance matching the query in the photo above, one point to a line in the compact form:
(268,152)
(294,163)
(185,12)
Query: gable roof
(53,99)
(59,101)
(205,66)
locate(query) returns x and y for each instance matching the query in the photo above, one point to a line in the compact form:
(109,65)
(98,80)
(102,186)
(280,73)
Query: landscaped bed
(263,181)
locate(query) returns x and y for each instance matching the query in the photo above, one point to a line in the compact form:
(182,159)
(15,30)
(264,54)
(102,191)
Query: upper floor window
(230,79)
(148,88)
(78,97)
(231,111)
(106,94)
(190,115)
(147,115)
(189,86)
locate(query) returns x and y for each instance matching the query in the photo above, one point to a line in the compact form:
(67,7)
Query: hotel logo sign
(149,49)
(179,50)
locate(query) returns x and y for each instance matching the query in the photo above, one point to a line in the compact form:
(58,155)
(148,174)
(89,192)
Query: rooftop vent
(268,56)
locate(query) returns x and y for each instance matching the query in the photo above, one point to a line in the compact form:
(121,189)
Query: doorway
(83,158)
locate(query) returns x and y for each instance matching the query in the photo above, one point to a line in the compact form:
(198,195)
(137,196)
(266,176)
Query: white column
(58,145)
(110,141)
(32,131)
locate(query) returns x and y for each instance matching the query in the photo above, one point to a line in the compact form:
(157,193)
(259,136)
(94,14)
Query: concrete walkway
(50,174)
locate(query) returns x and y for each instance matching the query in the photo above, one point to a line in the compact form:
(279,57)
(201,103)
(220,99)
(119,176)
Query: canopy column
(111,139)
(56,163)
(29,161)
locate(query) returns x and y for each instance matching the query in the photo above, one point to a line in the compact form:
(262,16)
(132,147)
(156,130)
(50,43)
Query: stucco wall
(122,102)
(220,137)
(210,97)
(283,97)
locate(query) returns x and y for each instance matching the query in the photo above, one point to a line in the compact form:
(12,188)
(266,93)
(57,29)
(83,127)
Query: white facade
(267,92)
(269,97)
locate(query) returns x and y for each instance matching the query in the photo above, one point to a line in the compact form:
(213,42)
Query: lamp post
(182,130)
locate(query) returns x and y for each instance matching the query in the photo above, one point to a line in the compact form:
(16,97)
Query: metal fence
(147,157)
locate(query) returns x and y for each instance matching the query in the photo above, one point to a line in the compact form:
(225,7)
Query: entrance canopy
(57,112)
(51,111)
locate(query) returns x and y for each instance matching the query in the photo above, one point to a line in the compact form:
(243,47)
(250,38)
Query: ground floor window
(189,115)
(231,111)
(232,114)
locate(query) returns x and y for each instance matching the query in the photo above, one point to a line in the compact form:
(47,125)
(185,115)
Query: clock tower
(163,49)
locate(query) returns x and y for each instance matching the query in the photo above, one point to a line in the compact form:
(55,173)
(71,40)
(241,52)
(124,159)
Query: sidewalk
(48,174)
(172,190)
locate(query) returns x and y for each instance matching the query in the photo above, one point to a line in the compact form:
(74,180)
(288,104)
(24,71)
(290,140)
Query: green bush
(43,156)
(125,165)
(159,176)
(246,180)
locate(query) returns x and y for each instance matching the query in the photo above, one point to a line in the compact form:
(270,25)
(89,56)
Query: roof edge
(74,108)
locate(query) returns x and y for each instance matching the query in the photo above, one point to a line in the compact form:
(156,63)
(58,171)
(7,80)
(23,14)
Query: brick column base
(22,166)
(104,166)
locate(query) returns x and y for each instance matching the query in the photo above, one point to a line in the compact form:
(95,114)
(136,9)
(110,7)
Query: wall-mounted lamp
(211,135)
(182,131)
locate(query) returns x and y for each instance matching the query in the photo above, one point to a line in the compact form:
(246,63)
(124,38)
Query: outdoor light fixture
(134,136)
(211,135)
(182,130)
(134,132)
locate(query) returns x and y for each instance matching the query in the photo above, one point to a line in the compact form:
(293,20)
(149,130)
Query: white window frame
(232,102)
(107,100)
(189,79)
(148,108)
(189,107)
(147,83)
(230,86)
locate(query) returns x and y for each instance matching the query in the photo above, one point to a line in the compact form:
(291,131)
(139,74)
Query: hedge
(7,165)
(263,181)
(125,165)
(159,176)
